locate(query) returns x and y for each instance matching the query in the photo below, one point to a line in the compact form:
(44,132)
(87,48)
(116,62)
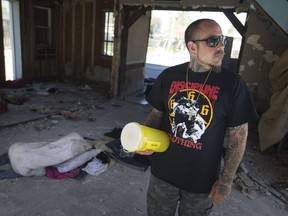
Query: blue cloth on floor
(9,173)
(128,159)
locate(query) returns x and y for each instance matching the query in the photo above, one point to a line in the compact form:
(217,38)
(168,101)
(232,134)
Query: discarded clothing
(30,159)
(125,158)
(115,133)
(103,157)
(95,167)
(53,173)
(7,173)
(4,159)
(77,160)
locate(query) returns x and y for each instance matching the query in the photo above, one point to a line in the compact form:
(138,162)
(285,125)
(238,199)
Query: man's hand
(147,152)
(219,192)
(153,120)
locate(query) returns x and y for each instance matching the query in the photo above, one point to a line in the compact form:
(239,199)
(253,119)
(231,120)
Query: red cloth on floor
(52,172)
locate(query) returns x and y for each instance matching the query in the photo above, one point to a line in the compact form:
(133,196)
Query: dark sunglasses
(213,41)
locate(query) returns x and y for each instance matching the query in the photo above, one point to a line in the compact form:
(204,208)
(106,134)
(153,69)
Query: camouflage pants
(164,199)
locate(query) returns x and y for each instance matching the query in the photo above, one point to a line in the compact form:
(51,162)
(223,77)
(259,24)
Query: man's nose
(221,45)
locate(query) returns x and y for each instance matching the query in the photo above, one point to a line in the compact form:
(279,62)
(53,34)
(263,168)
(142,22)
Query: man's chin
(216,68)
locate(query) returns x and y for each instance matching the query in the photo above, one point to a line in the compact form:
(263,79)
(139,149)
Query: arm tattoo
(237,137)
(154,119)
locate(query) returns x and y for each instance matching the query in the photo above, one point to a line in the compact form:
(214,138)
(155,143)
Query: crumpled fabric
(52,172)
(30,159)
(95,167)
(273,124)
(77,161)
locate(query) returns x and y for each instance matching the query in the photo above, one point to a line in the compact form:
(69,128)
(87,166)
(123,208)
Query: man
(188,174)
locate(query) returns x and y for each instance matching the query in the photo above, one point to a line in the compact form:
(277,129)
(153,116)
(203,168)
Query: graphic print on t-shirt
(191,113)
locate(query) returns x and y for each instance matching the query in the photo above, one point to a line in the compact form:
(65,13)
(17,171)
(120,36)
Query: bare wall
(136,53)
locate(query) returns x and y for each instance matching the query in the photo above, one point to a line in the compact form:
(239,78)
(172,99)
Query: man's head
(205,42)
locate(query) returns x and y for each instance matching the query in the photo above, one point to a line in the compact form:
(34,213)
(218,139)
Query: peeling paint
(253,40)
(251,62)
(269,57)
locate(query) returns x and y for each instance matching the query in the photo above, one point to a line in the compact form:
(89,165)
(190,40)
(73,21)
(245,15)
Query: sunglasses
(213,41)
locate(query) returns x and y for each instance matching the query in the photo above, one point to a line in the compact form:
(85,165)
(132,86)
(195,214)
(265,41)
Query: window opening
(42,22)
(108,39)
(11,39)
(166,39)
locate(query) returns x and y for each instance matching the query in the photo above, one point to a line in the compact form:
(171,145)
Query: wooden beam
(235,21)
(123,57)
(73,37)
(93,35)
(83,36)
(132,18)
(2,58)
(128,17)
(63,62)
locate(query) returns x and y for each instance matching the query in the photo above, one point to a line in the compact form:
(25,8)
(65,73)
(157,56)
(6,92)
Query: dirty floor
(49,111)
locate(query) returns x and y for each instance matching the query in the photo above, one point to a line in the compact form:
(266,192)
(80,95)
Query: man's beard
(217,68)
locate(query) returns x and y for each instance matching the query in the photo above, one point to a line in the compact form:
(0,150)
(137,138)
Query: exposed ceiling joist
(134,16)
(235,21)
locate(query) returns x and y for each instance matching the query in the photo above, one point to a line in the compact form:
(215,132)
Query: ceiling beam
(235,22)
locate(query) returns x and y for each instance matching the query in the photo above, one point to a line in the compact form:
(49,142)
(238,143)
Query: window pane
(42,26)
(108,38)
(41,17)
(41,36)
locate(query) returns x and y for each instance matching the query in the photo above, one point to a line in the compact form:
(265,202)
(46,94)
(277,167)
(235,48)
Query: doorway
(11,39)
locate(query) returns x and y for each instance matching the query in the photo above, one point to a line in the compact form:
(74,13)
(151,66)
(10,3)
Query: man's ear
(192,47)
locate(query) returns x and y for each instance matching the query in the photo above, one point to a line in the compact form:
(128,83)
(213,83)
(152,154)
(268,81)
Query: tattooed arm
(153,120)
(237,137)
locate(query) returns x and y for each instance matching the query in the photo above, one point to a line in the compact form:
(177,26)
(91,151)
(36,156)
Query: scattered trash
(282,188)
(52,90)
(15,99)
(86,87)
(70,115)
(248,186)
(243,168)
(254,189)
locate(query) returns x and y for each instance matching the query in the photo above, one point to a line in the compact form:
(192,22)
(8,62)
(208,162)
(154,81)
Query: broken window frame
(108,33)
(42,28)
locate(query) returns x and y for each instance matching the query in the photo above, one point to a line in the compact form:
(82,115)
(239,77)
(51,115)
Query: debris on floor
(61,159)
(253,189)
(53,110)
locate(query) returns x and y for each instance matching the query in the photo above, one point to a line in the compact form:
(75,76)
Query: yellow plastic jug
(136,137)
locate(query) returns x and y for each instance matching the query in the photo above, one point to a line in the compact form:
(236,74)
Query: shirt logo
(190,114)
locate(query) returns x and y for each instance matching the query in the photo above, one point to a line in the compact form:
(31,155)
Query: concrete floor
(120,190)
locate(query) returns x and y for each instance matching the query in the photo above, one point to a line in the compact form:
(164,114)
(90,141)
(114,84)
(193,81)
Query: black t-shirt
(196,123)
